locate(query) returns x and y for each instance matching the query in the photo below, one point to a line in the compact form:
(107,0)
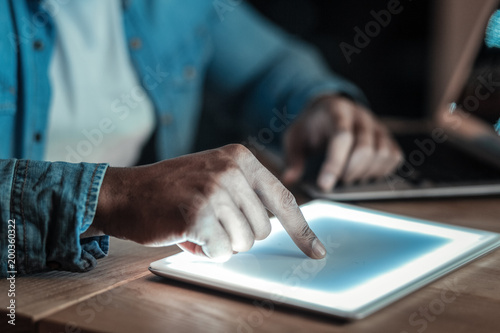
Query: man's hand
(212,203)
(357,146)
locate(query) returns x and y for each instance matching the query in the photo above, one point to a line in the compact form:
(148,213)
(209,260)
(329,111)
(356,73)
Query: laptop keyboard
(446,165)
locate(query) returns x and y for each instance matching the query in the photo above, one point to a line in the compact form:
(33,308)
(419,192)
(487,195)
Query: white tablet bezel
(467,245)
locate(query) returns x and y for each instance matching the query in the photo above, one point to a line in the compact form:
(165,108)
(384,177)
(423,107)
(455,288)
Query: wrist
(103,215)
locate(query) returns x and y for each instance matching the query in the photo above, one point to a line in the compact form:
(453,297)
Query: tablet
(373,259)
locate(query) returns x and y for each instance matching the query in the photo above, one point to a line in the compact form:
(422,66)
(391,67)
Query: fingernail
(318,249)
(327,180)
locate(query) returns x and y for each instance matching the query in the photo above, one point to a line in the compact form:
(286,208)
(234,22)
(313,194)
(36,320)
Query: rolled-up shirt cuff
(52,203)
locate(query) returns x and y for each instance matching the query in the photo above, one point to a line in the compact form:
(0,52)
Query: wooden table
(120,295)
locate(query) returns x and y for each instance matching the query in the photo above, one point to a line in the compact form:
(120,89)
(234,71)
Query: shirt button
(38,137)
(38,45)
(167,119)
(189,72)
(135,43)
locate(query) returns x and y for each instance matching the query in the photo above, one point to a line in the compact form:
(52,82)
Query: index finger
(339,145)
(281,202)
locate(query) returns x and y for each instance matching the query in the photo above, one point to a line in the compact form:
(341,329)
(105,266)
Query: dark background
(392,70)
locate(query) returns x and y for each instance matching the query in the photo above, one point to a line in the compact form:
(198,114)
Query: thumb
(192,248)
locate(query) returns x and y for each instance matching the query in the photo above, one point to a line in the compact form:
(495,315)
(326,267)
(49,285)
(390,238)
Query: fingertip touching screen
(373,259)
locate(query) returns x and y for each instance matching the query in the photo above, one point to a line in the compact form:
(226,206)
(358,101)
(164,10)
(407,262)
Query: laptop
(452,151)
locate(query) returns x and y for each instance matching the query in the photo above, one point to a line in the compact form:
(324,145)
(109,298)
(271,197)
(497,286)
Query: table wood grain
(155,304)
(111,299)
(40,295)
(121,295)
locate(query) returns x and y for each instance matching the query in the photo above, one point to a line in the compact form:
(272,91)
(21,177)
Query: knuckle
(219,154)
(365,135)
(384,153)
(363,154)
(363,124)
(244,244)
(365,149)
(344,132)
(341,118)
(287,199)
(263,232)
(210,187)
(222,208)
(195,209)
(231,175)
(222,163)
(340,104)
(382,130)
(343,126)
(224,168)
(306,233)
(366,117)
(237,150)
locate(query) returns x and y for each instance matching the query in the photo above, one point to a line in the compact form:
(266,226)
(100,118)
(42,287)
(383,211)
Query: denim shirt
(176,47)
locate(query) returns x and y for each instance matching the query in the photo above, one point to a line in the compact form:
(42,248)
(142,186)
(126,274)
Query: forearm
(273,70)
(297,77)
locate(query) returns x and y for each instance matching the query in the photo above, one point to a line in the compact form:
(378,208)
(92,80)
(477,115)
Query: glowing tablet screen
(373,259)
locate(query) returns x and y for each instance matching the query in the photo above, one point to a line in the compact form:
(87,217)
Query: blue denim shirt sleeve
(51,204)
(280,70)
